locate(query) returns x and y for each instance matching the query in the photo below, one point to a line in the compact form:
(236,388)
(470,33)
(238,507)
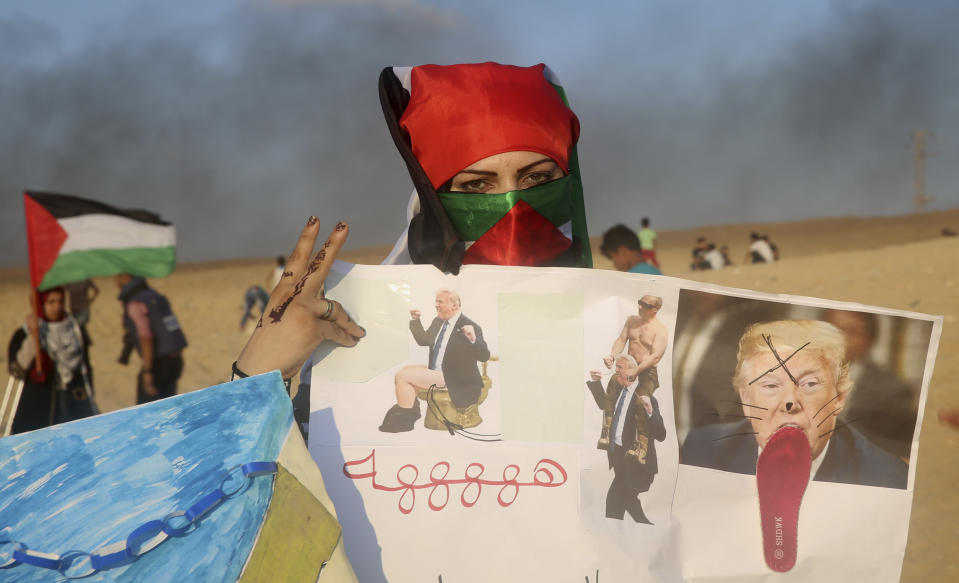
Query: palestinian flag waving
(72,238)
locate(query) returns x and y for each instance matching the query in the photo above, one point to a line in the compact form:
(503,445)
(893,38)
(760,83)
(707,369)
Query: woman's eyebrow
(537,163)
(479,172)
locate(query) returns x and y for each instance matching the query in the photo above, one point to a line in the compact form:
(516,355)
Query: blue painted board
(89,483)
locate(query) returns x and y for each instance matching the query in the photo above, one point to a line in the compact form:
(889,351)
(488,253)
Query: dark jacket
(850,459)
(655,428)
(463,379)
(168,337)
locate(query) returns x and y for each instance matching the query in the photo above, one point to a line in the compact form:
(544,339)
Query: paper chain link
(143,539)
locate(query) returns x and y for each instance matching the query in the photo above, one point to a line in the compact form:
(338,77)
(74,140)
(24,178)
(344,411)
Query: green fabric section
(473,214)
(577,200)
(79,265)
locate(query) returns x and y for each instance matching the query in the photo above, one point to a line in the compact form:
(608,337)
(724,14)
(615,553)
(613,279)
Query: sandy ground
(898,262)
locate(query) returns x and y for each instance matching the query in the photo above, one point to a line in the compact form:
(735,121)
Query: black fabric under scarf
(432,237)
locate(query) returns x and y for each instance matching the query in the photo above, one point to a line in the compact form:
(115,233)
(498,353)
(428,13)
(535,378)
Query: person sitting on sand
(759,250)
(724,251)
(713,258)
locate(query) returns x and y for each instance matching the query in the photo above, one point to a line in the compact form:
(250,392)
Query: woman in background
(60,387)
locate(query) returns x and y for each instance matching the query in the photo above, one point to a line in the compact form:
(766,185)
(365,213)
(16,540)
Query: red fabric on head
(782,474)
(460,114)
(42,298)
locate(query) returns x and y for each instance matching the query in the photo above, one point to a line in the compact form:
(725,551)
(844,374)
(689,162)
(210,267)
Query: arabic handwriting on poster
(546,474)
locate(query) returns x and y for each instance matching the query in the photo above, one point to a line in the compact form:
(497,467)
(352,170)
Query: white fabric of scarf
(63,343)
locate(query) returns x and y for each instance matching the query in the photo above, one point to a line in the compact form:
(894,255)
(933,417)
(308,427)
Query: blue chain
(143,539)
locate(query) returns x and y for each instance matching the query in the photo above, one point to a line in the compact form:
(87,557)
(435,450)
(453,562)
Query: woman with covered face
(491,152)
(794,373)
(57,379)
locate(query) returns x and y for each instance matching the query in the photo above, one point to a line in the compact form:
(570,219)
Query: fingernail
(312,220)
(364,331)
(340,226)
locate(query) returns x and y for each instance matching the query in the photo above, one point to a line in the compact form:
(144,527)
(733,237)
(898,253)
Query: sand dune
(897,262)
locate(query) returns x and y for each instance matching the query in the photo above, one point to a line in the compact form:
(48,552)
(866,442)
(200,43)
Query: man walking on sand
(150,326)
(647,242)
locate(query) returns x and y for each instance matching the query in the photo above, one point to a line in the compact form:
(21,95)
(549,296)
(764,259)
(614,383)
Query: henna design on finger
(312,220)
(259,323)
(340,226)
(276,314)
(287,274)
(327,244)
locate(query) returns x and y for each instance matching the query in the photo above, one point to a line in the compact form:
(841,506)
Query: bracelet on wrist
(239,374)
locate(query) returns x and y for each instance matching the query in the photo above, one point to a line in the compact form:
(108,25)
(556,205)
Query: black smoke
(237,128)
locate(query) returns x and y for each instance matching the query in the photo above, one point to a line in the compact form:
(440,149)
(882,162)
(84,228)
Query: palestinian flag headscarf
(445,118)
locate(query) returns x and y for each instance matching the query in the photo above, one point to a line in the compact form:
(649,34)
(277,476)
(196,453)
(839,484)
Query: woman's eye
(535,178)
(474,186)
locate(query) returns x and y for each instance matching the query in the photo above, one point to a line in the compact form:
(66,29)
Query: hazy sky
(237,120)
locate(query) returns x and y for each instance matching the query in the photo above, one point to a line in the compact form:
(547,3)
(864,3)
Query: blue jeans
(255,295)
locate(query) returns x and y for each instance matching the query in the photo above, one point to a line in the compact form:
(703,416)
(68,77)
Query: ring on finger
(329,310)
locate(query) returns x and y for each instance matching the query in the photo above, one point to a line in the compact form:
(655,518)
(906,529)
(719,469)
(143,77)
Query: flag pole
(3,407)
(17,392)
(35,306)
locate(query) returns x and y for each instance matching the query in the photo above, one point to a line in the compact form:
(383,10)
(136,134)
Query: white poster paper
(575,424)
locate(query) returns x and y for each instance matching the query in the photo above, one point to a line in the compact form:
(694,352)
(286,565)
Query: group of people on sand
(635,252)
(708,255)
(50,353)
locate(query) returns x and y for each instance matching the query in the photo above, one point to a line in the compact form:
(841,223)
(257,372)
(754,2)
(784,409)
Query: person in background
(255,295)
(724,251)
(151,327)
(647,243)
(621,245)
(699,251)
(759,250)
(60,389)
(276,273)
(772,247)
(713,257)
(81,294)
